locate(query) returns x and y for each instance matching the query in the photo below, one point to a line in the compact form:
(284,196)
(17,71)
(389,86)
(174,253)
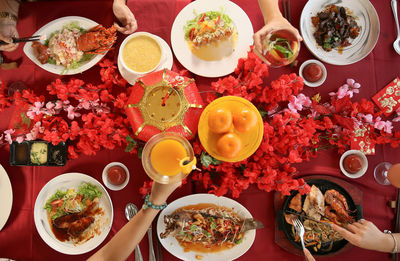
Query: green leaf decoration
(140,151)
(207,160)
(263,113)
(131,144)
(129,139)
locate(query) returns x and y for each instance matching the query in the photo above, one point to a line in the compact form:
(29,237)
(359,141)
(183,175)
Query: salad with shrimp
(208,27)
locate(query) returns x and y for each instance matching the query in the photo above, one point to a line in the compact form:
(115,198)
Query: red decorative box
(388,99)
(164,101)
(362,141)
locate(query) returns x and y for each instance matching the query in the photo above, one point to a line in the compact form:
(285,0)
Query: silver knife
(159,250)
(152,256)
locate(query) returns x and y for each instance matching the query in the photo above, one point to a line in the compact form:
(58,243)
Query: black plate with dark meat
(323,185)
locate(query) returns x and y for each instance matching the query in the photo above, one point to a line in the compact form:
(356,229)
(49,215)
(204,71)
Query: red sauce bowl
(115,176)
(313,73)
(353,164)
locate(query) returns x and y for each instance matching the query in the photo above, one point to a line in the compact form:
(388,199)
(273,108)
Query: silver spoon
(130,211)
(396,43)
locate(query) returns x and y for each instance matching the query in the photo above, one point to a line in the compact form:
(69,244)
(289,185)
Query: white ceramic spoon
(396,43)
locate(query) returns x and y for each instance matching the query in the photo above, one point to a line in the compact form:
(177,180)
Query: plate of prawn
(206,227)
(327,202)
(70,45)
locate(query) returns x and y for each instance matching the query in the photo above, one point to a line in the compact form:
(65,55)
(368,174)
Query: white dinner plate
(171,244)
(56,25)
(63,182)
(360,47)
(6,197)
(211,68)
(166,63)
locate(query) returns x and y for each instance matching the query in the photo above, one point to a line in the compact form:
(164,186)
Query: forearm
(119,2)
(125,241)
(269,9)
(387,244)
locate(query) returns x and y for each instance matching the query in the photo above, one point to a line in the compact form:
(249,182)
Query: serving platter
(53,26)
(6,197)
(361,46)
(172,245)
(211,68)
(251,140)
(283,235)
(64,182)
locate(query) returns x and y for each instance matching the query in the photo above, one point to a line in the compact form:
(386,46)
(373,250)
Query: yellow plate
(251,140)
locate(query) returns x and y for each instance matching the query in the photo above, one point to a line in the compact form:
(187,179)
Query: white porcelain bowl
(129,73)
(108,184)
(363,168)
(320,81)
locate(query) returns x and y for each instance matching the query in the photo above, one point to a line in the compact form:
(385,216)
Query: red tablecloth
(20,240)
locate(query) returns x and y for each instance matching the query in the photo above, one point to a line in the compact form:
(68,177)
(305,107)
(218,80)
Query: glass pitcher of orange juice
(168,158)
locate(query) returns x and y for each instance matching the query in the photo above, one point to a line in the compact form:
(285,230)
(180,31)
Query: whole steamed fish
(209,226)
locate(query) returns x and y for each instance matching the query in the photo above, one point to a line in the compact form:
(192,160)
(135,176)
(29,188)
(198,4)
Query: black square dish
(38,153)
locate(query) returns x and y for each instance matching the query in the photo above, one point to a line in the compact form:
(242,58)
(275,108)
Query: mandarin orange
(220,120)
(245,120)
(229,145)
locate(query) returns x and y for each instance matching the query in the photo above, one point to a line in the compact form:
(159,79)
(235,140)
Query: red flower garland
(295,128)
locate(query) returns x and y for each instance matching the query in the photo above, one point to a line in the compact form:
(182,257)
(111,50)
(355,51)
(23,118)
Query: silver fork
(299,228)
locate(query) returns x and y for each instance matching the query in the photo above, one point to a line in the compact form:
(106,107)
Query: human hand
(160,192)
(276,23)
(308,255)
(125,16)
(8,29)
(366,235)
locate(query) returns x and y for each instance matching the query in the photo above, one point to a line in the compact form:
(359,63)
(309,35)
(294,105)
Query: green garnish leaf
(51,61)
(193,228)
(239,241)
(89,191)
(213,225)
(285,51)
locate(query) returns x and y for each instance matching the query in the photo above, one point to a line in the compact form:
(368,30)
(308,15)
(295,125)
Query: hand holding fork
(299,228)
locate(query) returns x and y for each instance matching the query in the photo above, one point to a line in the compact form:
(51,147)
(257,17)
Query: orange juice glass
(168,158)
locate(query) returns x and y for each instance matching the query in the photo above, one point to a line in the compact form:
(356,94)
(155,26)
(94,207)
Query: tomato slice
(218,20)
(202,18)
(191,34)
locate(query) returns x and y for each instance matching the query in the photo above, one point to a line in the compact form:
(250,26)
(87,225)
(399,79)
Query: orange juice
(166,155)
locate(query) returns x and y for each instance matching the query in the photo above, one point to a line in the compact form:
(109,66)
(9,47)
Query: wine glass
(387,174)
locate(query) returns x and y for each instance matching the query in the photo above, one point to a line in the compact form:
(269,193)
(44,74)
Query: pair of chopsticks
(396,228)
(286,9)
(23,39)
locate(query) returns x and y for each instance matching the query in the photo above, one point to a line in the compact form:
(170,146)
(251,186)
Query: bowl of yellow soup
(140,53)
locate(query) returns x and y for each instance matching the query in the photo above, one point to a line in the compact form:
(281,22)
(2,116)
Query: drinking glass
(280,48)
(184,165)
(387,174)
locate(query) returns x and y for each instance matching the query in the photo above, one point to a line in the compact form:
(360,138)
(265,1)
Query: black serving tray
(323,185)
(56,154)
